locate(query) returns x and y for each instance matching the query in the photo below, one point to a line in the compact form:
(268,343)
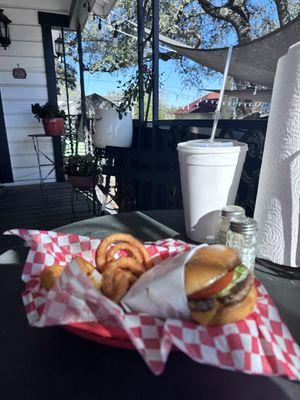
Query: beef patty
(236,294)
(239,291)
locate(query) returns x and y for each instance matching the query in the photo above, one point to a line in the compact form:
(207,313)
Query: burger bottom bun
(227,314)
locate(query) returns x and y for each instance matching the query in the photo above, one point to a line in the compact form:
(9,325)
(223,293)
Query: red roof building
(202,108)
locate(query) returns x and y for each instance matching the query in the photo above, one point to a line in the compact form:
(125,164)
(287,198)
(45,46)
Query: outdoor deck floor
(39,207)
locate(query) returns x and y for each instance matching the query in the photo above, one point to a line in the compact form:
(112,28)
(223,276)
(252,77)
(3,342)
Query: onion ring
(108,287)
(121,273)
(120,237)
(126,263)
(122,284)
(116,283)
(129,248)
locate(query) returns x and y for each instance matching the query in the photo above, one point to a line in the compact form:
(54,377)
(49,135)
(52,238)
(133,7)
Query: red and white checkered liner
(260,344)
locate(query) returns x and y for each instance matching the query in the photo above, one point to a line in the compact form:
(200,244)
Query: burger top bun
(207,265)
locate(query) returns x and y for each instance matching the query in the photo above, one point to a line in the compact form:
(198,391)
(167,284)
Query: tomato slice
(214,288)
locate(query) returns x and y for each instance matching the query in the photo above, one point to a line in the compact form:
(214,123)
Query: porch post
(141,34)
(47,21)
(155,59)
(81,74)
(66,78)
(52,96)
(5,164)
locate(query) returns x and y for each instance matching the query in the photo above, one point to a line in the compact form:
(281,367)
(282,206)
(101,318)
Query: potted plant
(110,130)
(81,170)
(113,127)
(51,116)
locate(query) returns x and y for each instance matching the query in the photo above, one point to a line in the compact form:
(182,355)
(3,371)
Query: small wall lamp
(4,30)
(59,46)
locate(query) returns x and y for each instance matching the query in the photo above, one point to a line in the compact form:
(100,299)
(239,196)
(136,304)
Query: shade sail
(254,61)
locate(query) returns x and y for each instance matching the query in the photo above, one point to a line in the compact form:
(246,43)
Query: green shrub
(81,165)
(46,111)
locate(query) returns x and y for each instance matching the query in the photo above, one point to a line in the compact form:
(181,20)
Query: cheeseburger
(219,288)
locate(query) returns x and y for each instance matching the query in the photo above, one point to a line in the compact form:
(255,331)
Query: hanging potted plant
(52,117)
(82,170)
(113,125)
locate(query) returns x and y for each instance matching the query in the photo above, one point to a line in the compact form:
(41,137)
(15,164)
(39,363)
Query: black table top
(51,363)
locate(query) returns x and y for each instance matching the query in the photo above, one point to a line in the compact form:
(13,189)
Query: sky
(173,92)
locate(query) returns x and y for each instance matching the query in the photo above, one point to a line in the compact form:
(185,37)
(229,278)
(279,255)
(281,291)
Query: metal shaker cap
(246,225)
(232,211)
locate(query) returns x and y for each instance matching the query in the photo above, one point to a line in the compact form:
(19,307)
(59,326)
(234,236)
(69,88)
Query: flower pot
(53,126)
(110,130)
(82,182)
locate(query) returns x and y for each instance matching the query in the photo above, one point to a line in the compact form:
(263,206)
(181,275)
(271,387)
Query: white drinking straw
(218,110)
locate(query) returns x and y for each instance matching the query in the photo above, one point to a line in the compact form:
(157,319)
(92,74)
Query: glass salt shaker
(227,213)
(242,235)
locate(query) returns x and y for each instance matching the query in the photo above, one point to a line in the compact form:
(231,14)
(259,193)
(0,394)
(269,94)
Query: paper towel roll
(278,197)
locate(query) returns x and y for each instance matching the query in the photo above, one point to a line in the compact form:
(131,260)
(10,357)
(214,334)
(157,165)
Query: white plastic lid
(219,146)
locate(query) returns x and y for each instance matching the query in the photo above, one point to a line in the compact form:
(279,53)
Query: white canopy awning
(254,61)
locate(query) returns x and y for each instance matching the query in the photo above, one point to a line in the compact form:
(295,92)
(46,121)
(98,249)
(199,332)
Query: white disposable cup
(210,175)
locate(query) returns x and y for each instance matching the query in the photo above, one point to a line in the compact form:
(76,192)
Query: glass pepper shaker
(227,213)
(242,235)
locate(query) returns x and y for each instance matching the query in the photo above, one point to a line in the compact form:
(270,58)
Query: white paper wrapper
(160,291)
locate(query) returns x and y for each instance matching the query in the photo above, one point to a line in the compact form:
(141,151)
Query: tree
(71,75)
(165,111)
(199,23)
(284,14)
(235,12)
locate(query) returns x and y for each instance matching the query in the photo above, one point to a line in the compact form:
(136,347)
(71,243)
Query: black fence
(76,140)
(147,174)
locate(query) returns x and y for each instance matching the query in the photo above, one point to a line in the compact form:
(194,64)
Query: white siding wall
(26,50)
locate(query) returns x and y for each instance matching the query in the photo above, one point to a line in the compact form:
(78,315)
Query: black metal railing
(147,174)
(75,139)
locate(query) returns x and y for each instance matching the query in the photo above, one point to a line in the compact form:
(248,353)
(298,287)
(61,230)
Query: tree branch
(240,7)
(235,12)
(284,15)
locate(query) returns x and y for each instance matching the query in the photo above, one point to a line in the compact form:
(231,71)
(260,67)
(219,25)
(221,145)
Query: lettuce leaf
(240,273)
